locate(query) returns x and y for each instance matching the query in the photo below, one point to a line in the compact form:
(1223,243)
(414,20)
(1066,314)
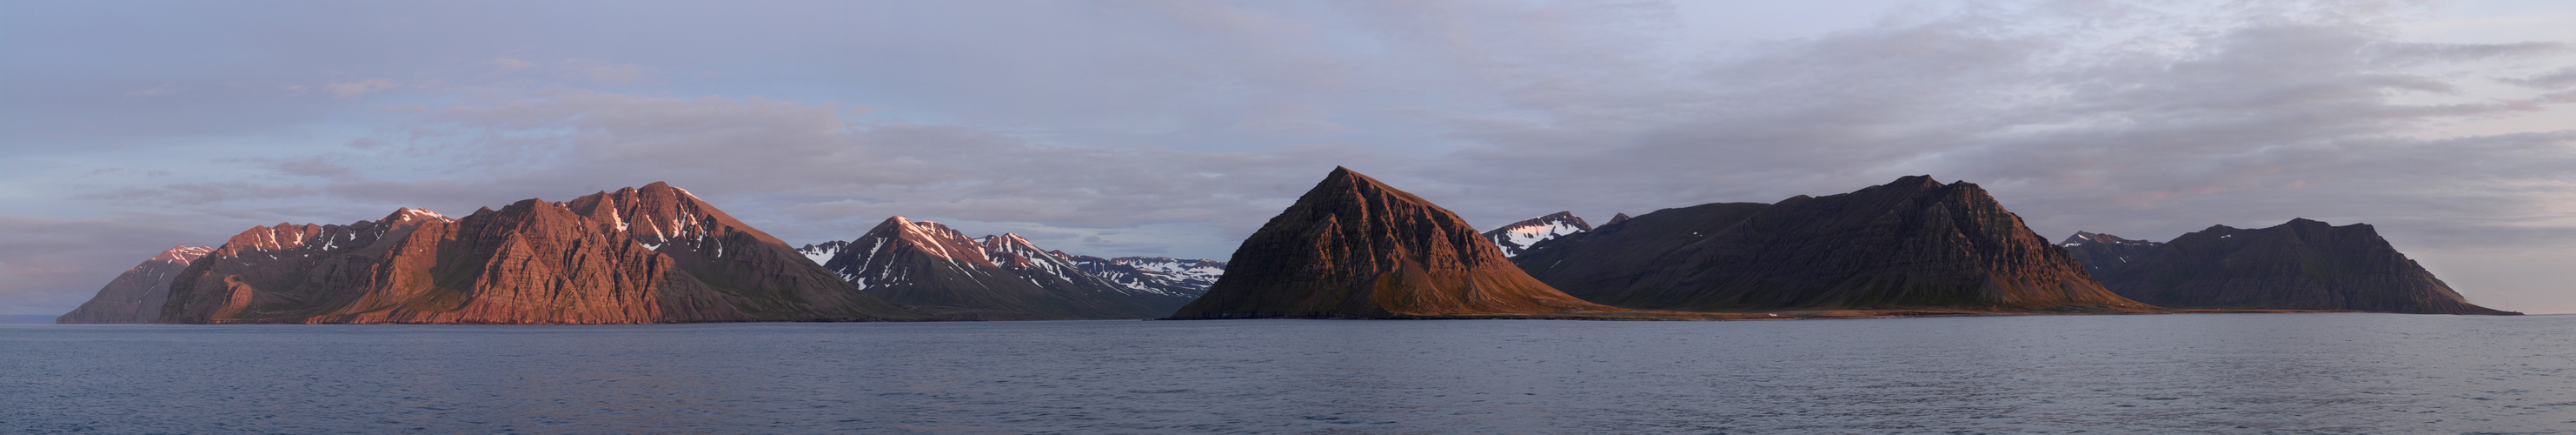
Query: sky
(1176,128)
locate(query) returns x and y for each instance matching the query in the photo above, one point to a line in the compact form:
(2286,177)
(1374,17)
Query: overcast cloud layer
(1176,128)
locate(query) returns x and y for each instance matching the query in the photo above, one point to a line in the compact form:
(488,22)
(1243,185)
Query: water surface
(2248,373)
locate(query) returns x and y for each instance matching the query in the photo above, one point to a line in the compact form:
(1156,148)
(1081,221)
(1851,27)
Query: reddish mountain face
(1356,248)
(936,270)
(651,255)
(1913,243)
(137,295)
(2300,265)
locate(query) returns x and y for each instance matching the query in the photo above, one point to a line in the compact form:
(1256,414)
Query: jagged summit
(1183,278)
(1354,247)
(940,271)
(2301,264)
(649,255)
(1519,236)
(1614,220)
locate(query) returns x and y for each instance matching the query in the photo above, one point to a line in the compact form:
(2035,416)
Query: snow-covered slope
(942,272)
(1520,235)
(822,252)
(1187,278)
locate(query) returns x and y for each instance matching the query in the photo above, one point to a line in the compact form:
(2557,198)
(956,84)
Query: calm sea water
(2248,373)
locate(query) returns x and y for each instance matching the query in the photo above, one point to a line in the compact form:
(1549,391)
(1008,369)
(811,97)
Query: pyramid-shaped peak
(1354,247)
(1009,241)
(1915,181)
(407,214)
(1348,184)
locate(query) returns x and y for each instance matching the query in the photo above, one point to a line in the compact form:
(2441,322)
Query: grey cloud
(2560,79)
(2145,120)
(183,194)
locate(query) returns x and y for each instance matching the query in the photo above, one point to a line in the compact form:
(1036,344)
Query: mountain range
(1351,247)
(655,254)
(938,271)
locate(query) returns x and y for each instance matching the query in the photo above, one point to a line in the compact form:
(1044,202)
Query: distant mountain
(655,254)
(1622,217)
(939,271)
(1354,247)
(1165,275)
(2300,265)
(2101,253)
(822,252)
(1912,243)
(137,295)
(1603,264)
(1519,236)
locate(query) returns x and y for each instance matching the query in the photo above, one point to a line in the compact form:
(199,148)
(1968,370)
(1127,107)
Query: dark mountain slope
(2300,265)
(1353,247)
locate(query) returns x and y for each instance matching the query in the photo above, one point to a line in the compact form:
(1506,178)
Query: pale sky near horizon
(1175,128)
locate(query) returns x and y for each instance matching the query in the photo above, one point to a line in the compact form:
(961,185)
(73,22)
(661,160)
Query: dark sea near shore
(2222,373)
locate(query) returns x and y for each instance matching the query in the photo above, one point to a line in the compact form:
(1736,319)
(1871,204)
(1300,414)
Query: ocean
(2198,373)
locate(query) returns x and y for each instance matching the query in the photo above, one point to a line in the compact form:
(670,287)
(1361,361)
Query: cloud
(2560,79)
(1201,119)
(358,88)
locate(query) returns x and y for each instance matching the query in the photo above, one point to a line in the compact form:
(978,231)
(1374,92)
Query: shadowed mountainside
(1912,243)
(2300,265)
(1353,247)
(136,296)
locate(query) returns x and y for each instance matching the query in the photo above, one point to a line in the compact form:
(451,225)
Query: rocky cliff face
(1913,243)
(655,254)
(939,271)
(137,295)
(2300,265)
(2102,253)
(1356,248)
(1518,236)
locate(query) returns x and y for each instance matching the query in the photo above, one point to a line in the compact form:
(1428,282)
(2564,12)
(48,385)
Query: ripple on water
(2252,373)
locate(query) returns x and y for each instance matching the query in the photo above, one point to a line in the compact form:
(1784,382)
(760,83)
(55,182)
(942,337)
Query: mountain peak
(182,254)
(1915,182)
(1614,219)
(1353,247)
(1519,236)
